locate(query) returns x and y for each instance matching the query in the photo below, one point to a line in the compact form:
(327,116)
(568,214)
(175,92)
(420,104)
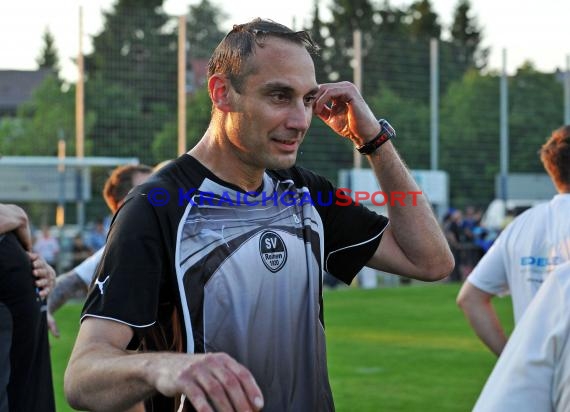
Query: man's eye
(309,100)
(280,97)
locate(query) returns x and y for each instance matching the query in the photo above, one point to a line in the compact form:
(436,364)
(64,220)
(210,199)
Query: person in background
(25,280)
(525,253)
(79,250)
(533,371)
(238,287)
(453,230)
(97,236)
(76,282)
(47,246)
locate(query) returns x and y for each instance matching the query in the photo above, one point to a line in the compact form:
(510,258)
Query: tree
(203,31)
(469,143)
(535,110)
(42,120)
(470,129)
(134,59)
(347,16)
(198,111)
(424,21)
(48,58)
(392,20)
(399,56)
(317,28)
(466,36)
(119,123)
(411,120)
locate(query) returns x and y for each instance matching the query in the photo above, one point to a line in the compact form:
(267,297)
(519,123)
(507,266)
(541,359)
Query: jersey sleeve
(129,277)
(352,232)
(86,269)
(490,273)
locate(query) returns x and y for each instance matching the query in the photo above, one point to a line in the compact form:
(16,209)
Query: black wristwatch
(386,133)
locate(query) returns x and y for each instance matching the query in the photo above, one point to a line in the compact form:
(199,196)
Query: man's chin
(284,162)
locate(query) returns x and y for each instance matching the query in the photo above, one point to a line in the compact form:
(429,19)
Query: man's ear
(219,88)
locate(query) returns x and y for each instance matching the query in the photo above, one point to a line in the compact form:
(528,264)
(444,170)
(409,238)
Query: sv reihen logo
(272,250)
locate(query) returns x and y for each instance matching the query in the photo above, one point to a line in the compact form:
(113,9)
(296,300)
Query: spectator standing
(453,230)
(47,246)
(79,250)
(525,253)
(97,236)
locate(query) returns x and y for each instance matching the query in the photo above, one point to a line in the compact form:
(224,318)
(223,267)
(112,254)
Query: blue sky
(528,29)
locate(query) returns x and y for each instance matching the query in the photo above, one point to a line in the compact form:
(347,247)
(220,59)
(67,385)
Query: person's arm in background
(487,280)
(479,311)
(74,283)
(413,245)
(67,286)
(13,218)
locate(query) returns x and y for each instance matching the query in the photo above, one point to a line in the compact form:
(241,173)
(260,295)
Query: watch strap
(386,133)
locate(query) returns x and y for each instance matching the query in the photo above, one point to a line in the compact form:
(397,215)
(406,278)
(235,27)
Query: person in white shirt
(533,372)
(525,253)
(47,246)
(76,282)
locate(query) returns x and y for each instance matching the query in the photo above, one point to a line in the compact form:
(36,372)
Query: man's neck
(226,167)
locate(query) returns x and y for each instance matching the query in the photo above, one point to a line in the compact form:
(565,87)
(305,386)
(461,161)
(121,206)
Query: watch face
(388,127)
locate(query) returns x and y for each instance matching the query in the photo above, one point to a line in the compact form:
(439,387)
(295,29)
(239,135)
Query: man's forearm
(485,322)
(114,382)
(478,309)
(413,222)
(67,286)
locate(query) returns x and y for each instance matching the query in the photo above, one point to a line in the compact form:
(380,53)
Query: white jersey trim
(355,245)
(180,280)
(86,269)
(116,320)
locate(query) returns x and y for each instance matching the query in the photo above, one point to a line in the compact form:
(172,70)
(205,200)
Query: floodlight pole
(181,85)
(79,123)
(357,73)
(434,103)
(567,92)
(504,132)
(60,209)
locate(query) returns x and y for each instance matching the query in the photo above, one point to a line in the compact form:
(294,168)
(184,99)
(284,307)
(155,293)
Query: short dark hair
(120,182)
(231,55)
(555,156)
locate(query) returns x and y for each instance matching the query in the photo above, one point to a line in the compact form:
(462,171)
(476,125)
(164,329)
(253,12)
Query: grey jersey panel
(260,299)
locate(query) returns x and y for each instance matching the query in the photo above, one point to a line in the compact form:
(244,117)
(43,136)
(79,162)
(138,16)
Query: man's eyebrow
(313,91)
(273,86)
(283,87)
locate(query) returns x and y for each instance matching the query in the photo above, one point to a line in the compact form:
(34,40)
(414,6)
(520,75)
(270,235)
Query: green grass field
(392,349)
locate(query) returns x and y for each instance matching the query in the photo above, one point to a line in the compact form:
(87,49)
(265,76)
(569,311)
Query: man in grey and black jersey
(237,287)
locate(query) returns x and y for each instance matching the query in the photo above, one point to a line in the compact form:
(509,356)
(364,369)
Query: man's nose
(300,116)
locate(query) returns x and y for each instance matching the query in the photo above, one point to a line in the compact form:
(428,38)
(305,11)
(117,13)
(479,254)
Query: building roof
(16,86)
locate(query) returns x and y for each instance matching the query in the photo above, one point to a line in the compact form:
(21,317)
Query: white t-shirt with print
(525,253)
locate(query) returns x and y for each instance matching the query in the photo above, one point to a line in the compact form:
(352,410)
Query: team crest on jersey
(272,250)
